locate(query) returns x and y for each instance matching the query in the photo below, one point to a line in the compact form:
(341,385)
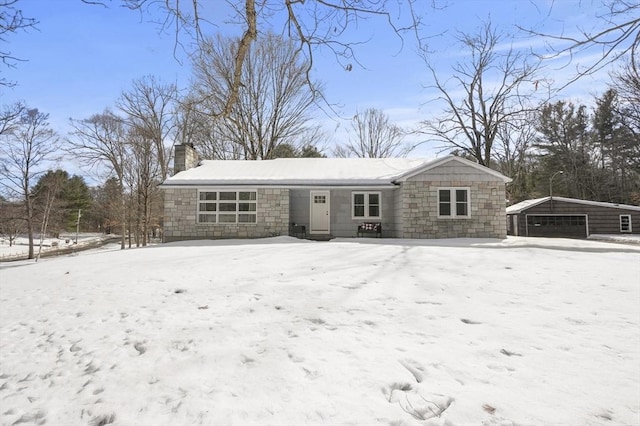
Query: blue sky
(83,56)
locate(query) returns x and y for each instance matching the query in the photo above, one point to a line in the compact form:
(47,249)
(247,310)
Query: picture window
(227,207)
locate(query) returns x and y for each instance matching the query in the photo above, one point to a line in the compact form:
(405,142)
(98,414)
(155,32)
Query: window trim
(630,229)
(452,193)
(218,201)
(366,205)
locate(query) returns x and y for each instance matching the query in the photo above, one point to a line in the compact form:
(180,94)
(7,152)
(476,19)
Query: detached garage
(571,218)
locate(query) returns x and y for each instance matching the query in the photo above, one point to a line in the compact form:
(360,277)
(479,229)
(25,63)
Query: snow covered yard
(349,332)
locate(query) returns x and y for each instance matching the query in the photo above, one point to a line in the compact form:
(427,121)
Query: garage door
(566,226)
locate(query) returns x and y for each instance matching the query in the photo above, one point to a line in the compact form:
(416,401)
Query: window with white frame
(366,205)
(625,223)
(227,206)
(453,202)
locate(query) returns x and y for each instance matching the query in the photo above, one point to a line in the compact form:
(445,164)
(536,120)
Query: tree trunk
(145,220)
(138,217)
(123,215)
(29,224)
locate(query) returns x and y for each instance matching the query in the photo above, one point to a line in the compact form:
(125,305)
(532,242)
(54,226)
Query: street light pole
(551,182)
(559,172)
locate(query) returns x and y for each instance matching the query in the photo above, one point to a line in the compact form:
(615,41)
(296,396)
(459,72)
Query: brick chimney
(185,158)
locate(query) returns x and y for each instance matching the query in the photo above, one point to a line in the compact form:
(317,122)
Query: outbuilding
(571,218)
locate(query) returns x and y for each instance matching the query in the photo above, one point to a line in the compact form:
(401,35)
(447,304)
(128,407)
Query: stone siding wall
(180,211)
(398,224)
(420,210)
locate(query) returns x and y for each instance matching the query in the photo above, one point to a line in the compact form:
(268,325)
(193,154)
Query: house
(409,198)
(572,218)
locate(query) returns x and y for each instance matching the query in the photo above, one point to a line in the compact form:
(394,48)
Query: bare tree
(626,82)
(12,221)
(108,205)
(47,200)
(307,25)
(617,36)
(101,141)
(10,117)
(513,156)
(11,21)
(199,129)
(25,150)
(274,103)
(373,135)
(495,87)
(150,108)
(143,175)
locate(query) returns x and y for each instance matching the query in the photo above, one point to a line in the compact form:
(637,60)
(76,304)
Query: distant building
(572,218)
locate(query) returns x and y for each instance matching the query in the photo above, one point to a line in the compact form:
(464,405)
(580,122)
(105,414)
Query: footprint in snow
(38,417)
(295,358)
(246,360)
(103,420)
(509,353)
(417,403)
(426,407)
(415,368)
(392,391)
(140,348)
(310,374)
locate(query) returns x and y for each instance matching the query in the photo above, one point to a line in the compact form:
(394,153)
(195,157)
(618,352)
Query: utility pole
(551,187)
(78,224)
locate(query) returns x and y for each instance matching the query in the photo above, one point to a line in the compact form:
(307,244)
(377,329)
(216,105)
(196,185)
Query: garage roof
(527,204)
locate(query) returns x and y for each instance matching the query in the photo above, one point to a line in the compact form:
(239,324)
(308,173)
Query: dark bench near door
(370,228)
(299,231)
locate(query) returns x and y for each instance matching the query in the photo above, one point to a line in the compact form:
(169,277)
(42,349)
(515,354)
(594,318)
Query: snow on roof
(524,205)
(311,171)
(298,171)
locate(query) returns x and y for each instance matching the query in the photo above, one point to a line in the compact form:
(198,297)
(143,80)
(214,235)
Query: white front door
(319,212)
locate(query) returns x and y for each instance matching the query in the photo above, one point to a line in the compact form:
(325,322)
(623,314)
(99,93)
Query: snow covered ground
(350,332)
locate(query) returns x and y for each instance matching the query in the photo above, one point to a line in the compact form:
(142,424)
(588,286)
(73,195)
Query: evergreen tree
(58,198)
(563,144)
(311,151)
(615,144)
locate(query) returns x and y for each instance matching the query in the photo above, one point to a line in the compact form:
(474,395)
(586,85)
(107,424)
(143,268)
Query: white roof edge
(279,183)
(524,205)
(311,187)
(438,162)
